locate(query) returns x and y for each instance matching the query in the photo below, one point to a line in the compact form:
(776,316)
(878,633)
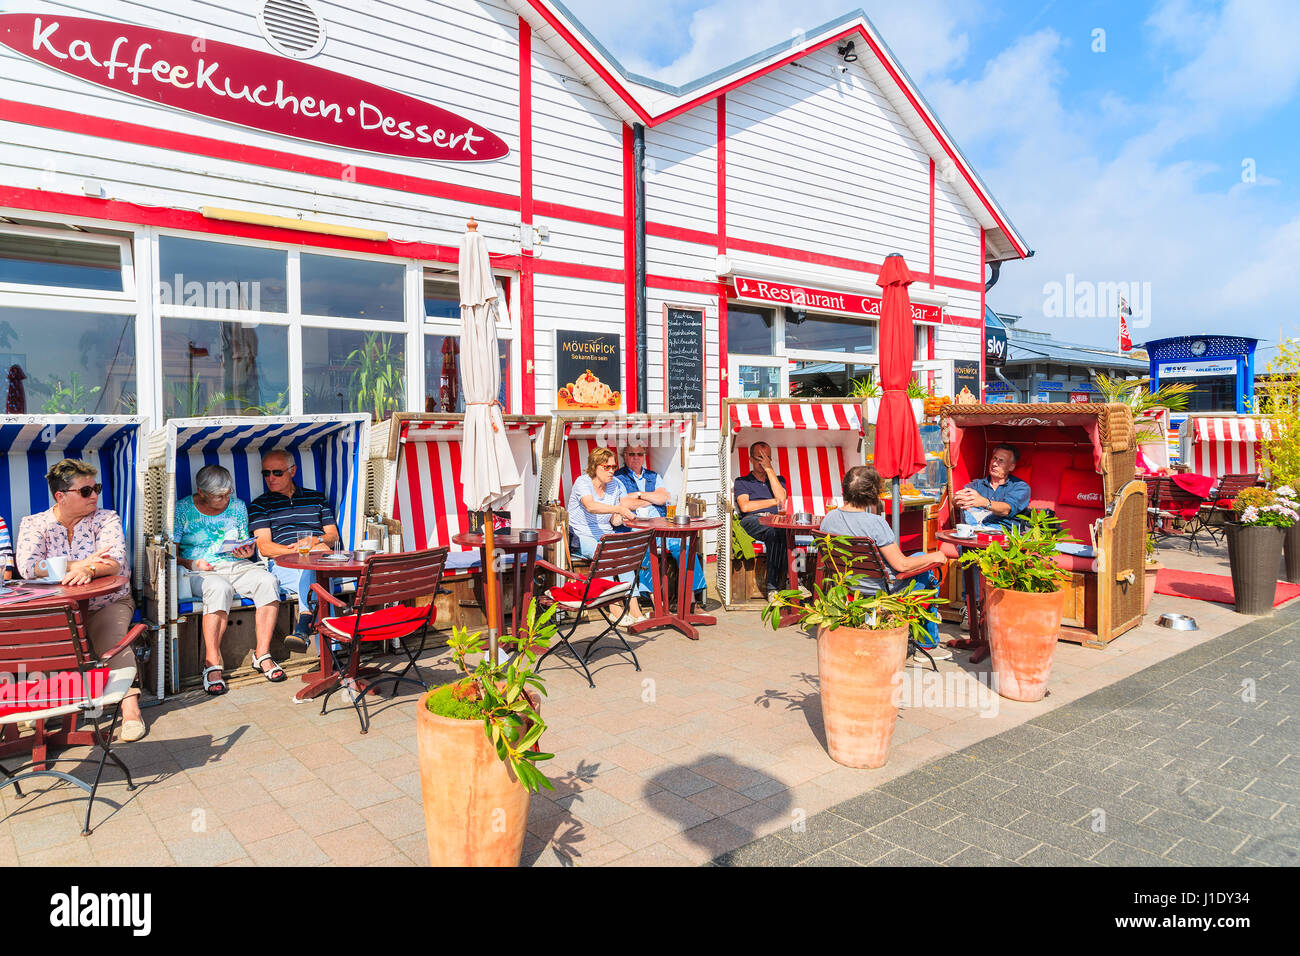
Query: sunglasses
(634,454)
(86,491)
(278,472)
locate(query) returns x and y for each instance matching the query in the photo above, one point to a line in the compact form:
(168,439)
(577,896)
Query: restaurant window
(222,275)
(828,333)
(58,257)
(224,368)
(826,379)
(68,363)
(353,371)
(442,378)
(749,330)
(352,288)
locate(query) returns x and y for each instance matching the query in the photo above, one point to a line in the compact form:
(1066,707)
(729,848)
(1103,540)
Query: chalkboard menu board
(684,358)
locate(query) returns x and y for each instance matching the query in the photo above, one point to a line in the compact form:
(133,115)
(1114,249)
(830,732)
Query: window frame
(81,235)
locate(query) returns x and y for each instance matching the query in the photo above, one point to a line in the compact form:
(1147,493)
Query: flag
(1125,342)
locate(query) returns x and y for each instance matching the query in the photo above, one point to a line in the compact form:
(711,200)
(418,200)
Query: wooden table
(978,640)
(685,617)
(325,677)
(786,523)
(40,740)
(522,573)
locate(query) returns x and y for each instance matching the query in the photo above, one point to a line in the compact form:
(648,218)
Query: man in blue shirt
(1001,493)
(636,477)
(763,491)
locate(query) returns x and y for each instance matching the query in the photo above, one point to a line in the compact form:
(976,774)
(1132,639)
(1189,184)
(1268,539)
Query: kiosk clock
(1198,347)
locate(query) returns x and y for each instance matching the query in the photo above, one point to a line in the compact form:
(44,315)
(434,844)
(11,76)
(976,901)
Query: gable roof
(640,99)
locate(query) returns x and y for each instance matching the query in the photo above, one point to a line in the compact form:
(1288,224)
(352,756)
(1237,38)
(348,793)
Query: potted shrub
(478,750)
(1023,604)
(861,652)
(1255,546)
(1280,400)
(1153,567)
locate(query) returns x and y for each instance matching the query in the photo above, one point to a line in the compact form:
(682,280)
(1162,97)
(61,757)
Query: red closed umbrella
(898,443)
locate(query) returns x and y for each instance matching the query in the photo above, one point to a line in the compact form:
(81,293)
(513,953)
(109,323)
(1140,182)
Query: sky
(1154,144)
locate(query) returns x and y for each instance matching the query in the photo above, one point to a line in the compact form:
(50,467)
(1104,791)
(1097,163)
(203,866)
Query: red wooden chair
(54,673)
(1218,506)
(383,610)
(599,590)
(865,559)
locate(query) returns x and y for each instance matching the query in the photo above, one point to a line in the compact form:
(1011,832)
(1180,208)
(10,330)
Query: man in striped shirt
(284,518)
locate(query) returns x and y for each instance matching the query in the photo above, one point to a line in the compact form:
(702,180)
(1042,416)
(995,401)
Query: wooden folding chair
(865,559)
(53,672)
(385,608)
(599,590)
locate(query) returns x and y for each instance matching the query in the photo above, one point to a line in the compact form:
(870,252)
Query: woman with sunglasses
(91,538)
(205,521)
(598,505)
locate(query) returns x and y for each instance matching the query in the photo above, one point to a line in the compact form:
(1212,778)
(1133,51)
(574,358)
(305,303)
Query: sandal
(275,675)
(214,687)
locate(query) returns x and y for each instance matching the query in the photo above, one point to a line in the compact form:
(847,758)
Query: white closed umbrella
(488,472)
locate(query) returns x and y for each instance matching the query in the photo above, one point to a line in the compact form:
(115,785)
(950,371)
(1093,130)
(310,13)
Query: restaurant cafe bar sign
(249,88)
(820,300)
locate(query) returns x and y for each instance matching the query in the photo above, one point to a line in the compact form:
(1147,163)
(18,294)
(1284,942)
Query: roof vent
(292,27)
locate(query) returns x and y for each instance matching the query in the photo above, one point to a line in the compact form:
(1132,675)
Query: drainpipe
(638,162)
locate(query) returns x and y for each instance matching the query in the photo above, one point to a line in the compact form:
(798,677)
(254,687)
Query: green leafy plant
(73,398)
(496,693)
(187,400)
(1150,546)
(864,388)
(1262,507)
(914,390)
(1136,394)
(1279,398)
(378,378)
(1027,561)
(842,599)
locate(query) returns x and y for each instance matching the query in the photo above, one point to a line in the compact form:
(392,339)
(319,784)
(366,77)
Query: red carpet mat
(1211,587)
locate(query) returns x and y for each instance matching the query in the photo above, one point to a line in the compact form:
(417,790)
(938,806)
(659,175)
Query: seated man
(860,517)
(6,552)
(637,478)
(760,492)
(284,519)
(1001,494)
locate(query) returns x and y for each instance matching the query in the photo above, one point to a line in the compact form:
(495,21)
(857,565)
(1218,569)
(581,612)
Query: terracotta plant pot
(859,672)
(1291,548)
(475,809)
(1149,585)
(1023,630)
(1254,553)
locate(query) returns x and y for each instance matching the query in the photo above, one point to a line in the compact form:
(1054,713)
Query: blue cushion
(187,607)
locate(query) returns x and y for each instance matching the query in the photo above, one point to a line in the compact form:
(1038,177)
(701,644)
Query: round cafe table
(326,568)
(791,528)
(46,596)
(978,642)
(522,571)
(685,618)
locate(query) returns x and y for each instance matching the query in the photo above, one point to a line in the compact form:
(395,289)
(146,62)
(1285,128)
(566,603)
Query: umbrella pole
(898,509)
(490,582)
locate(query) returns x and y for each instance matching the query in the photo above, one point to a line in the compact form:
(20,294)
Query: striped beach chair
(31,444)
(814,442)
(668,439)
(1218,445)
(330,453)
(415,468)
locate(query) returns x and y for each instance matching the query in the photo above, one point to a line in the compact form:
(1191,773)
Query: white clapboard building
(255,208)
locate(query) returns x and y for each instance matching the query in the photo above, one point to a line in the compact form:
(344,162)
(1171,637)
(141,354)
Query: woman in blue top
(859,517)
(205,521)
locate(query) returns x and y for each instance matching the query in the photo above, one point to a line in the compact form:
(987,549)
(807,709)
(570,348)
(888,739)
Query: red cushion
(57,690)
(383,625)
(1080,488)
(572,591)
(1224,502)
(1083,460)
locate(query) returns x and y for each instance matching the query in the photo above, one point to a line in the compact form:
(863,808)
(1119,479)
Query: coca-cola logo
(248,88)
(1085,497)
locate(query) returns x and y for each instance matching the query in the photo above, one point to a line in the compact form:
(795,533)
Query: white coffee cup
(965,530)
(56,567)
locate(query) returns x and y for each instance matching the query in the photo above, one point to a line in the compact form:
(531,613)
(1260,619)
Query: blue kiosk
(1222,367)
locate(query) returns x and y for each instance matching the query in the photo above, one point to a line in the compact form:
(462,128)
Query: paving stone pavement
(1194,761)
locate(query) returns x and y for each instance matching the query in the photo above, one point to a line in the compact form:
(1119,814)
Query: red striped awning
(814,416)
(1230,428)
(424,431)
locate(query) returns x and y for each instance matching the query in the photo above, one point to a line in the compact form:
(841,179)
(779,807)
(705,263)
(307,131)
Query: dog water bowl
(1178,622)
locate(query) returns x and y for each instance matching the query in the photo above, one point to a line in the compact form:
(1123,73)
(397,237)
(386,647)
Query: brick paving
(1192,761)
(713,745)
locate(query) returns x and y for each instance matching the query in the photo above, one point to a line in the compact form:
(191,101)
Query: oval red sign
(247,87)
